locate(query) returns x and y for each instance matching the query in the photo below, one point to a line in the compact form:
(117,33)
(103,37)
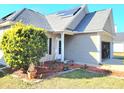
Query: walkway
(113,64)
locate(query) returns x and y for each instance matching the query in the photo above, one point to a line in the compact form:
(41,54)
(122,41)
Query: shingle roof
(67,19)
(12,16)
(28,16)
(83,21)
(70,12)
(93,21)
(76,19)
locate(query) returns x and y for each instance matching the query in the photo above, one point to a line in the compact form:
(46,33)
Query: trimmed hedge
(23,44)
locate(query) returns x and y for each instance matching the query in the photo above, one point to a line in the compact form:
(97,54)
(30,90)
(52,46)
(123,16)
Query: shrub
(23,44)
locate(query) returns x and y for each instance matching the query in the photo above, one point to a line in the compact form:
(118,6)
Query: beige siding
(83,48)
(106,38)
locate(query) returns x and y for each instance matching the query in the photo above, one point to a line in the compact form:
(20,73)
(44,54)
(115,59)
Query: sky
(118,10)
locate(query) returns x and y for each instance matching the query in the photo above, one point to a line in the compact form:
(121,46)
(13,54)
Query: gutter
(7,23)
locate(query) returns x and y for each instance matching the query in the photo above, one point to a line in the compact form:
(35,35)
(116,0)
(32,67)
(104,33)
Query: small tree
(23,44)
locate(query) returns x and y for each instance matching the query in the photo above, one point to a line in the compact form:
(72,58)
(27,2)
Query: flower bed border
(93,69)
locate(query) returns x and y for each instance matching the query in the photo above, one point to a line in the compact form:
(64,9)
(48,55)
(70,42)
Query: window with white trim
(50,46)
(59,46)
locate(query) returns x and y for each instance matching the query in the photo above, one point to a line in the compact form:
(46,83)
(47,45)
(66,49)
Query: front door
(105,50)
(58,49)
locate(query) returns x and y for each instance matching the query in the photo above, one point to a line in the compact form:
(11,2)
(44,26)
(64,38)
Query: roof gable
(67,19)
(94,21)
(84,22)
(109,24)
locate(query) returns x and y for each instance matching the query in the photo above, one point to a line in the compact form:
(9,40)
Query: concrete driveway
(114,61)
(113,64)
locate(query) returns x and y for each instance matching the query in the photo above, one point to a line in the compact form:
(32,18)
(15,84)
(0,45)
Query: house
(118,43)
(74,34)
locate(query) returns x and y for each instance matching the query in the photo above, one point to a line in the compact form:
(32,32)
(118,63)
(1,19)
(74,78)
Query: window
(59,46)
(50,45)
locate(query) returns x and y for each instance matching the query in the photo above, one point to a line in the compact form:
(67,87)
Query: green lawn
(118,55)
(75,79)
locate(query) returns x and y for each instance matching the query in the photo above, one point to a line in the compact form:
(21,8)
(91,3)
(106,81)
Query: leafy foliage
(23,44)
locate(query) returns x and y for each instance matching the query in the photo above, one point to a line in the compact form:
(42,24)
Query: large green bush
(23,44)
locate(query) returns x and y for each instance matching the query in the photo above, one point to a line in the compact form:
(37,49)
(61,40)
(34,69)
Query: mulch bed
(99,70)
(73,66)
(43,71)
(50,68)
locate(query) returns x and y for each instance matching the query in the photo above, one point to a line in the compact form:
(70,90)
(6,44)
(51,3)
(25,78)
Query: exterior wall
(83,48)
(1,53)
(106,38)
(51,56)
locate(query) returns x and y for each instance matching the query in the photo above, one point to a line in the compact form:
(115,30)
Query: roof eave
(6,23)
(62,31)
(88,31)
